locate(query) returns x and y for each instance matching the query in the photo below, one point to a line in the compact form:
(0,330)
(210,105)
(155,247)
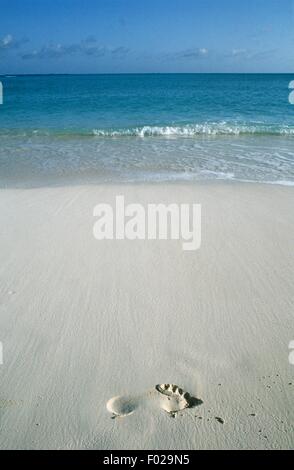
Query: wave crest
(209,129)
(189,130)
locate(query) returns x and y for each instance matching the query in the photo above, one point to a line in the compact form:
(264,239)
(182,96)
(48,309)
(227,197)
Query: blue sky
(119,36)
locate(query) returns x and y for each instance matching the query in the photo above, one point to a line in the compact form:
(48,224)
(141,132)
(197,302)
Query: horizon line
(141,73)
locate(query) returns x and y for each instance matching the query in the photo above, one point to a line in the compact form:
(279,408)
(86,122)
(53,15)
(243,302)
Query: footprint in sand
(168,397)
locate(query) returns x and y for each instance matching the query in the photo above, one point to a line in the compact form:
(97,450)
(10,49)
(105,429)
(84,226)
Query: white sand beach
(82,321)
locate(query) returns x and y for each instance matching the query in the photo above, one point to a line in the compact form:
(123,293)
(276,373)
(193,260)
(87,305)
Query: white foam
(209,129)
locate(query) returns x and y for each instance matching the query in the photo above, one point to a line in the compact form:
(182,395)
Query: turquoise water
(147,127)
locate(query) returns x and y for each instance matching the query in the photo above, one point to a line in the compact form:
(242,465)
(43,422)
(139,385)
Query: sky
(146,36)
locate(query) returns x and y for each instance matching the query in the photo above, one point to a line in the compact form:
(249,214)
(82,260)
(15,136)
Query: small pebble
(220,420)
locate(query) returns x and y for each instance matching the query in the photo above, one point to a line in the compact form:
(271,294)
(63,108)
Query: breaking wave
(209,129)
(189,130)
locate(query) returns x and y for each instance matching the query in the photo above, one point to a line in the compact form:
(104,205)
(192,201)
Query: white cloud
(8,42)
(88,47)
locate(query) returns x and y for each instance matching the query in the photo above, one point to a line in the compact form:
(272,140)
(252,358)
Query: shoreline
(79,183)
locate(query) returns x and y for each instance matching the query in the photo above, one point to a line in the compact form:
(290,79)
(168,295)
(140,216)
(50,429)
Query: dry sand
(82,321)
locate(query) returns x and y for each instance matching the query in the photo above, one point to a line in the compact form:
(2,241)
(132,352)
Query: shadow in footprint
(122,406)
(193,402)
(178,399)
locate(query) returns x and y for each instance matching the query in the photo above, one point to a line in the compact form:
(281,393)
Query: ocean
(146,127)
